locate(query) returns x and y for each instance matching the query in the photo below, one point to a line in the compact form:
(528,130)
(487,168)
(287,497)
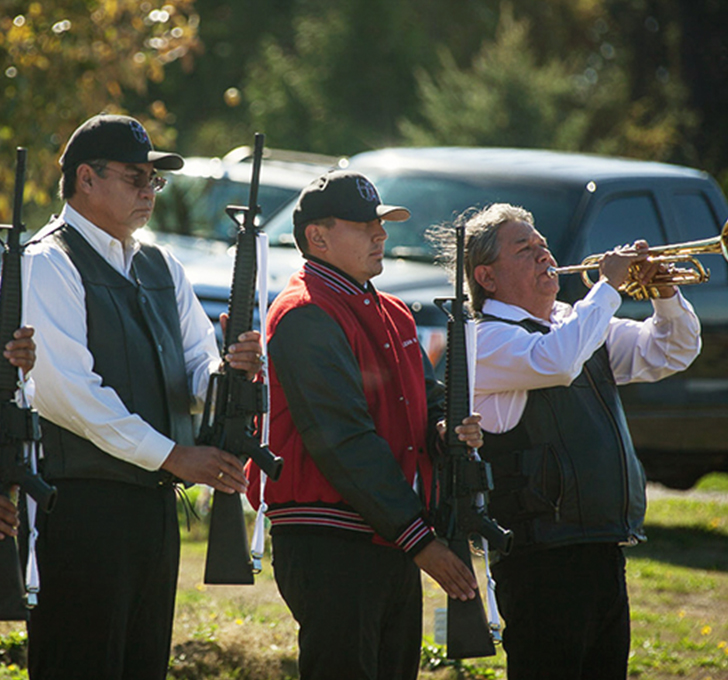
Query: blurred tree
(342,82)
(584,101)
(503,98)
(315,75)
(637,77)
(64,61)
(207,98)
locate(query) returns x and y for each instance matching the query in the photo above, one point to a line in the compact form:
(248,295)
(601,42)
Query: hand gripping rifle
(463,482)
(19,427)
(233,403)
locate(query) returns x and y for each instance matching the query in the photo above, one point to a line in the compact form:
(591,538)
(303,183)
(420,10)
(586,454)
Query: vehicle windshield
(195,206)
(438,199)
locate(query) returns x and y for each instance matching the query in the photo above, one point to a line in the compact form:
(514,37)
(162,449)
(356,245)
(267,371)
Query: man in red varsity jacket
(354,407)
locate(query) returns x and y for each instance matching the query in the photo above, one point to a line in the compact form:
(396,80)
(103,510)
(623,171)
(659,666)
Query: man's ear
(316,238)
(84,178)
(483,274)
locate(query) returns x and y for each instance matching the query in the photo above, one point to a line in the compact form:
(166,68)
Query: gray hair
(481,242)
(67,183)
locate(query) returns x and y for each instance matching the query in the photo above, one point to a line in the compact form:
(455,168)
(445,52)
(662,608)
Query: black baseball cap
(347,195)
(115,138)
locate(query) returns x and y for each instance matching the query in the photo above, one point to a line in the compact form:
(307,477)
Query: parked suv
(583,204)
(193,203)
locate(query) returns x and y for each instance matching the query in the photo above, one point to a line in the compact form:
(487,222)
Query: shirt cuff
(415,537)
(152,451)
(672,307)
(605,296)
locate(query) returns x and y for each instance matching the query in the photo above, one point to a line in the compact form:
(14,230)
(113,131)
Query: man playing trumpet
(567,480)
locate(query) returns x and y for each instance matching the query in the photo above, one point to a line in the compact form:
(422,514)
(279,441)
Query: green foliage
(624,77)
(504,98)
(433,658)
(713,482)
(335,88)
(13,650)
(68,60)
(509,96)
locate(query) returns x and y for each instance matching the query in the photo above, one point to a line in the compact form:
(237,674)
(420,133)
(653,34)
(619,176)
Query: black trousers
(566,612)
(359,607)
(108,557)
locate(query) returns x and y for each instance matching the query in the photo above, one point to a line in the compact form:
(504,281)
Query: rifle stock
(19,426)
(233,403)
(463,480)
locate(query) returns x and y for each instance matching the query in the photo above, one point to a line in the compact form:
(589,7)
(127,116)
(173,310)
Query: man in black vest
(567,480)
(125,351)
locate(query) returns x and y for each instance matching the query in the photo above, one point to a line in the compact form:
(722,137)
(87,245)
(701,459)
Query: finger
(24,332)
(250,337)
(230,472)
(248,350)
(21,343)
(227,485)
(7,529)
(244,360)
(228,480)
(19,354)
(460,587)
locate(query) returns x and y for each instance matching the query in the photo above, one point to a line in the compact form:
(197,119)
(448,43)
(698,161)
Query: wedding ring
(220,474)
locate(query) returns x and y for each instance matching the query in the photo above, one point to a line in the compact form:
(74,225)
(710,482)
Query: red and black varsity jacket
(352,411)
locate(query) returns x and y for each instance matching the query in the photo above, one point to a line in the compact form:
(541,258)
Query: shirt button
(386,345)
(160,348)
(367,301)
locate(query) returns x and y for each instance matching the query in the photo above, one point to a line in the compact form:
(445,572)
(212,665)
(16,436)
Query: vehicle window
(195,206)
(697,221)
(435,200)
(623,220)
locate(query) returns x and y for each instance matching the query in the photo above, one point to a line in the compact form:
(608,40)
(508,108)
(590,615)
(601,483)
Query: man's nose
(543,254)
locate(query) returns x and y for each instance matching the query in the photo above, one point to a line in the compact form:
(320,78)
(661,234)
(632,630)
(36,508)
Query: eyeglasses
(139,180)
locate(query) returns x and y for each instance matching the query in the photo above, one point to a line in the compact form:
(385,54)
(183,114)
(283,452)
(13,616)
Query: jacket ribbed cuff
(415,537)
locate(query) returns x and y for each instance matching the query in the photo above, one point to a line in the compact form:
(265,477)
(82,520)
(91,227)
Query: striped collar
(335,278)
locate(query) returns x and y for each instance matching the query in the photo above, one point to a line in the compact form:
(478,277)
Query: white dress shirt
(511,361)
(67,391)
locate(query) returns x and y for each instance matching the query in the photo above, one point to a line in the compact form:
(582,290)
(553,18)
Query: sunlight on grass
(716,481)
(678,584)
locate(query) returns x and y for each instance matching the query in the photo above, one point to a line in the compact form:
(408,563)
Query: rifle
(463,482)
(19,425)
(237,402)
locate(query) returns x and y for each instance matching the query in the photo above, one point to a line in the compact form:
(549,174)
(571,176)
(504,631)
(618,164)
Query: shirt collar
(514,313)
(118,254)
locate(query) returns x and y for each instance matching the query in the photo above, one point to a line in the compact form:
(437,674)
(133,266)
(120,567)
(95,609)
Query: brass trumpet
(686,253)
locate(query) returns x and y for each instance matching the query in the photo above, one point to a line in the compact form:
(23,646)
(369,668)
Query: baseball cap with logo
(347,195)
(115,138)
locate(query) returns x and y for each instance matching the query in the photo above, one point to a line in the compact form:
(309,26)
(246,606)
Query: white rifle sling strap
(491,603)
(32,577)
(258,544)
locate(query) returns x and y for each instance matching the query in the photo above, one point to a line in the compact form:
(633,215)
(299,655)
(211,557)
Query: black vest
(568,472)
(135,338)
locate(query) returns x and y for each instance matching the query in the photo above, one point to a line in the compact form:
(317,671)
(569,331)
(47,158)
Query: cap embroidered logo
(367,190)
(140,134)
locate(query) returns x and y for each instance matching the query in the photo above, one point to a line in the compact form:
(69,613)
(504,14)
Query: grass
(678,584)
